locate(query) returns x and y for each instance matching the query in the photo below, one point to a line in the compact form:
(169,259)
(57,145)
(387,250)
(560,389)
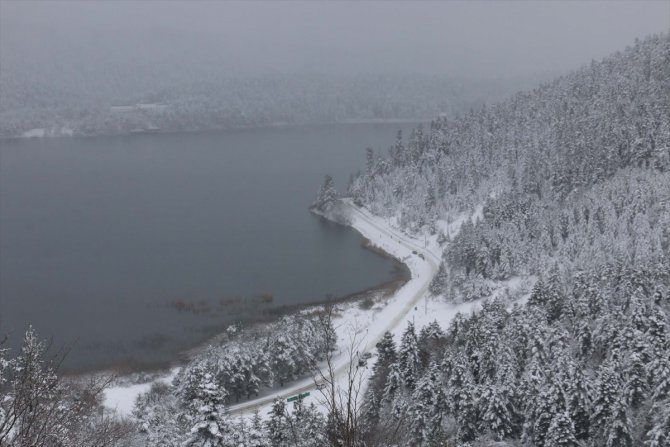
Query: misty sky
(483,39)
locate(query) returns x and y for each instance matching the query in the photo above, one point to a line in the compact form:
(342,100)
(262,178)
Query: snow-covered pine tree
(659,433)
(307,426)
(386,350)
(426,407)
(618,429)
(408,357)
(386,356)
(467,416)
(257,432)
(393,382)
(578,392)
(659,371)
(326,196)
(605,398)
(277,425)
(636,381)
(496,414)
(209,420)
(561,432)
(439,282)
(541,412)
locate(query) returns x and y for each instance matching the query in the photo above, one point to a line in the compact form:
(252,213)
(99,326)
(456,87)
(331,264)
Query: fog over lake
(135,245)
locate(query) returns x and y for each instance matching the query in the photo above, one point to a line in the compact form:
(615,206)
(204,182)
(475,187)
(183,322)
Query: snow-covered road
(423,264)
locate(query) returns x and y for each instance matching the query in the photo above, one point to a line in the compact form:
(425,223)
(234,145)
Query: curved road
(342,366)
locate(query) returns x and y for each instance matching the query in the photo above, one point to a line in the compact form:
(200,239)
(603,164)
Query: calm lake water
(138,247)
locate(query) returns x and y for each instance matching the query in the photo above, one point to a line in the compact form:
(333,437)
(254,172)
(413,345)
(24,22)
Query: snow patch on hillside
(122,398)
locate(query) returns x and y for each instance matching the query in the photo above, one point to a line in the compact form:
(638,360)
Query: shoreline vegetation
(250,315)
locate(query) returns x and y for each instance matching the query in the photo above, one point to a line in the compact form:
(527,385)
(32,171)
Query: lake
(138,247)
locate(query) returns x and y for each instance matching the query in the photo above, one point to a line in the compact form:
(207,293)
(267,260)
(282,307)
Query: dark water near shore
(138,247)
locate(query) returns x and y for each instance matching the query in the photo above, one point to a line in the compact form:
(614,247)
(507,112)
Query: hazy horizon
(472,39)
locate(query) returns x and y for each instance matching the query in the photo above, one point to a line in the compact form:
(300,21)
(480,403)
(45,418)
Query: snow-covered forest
(573,178)
(574,181)
(192,408)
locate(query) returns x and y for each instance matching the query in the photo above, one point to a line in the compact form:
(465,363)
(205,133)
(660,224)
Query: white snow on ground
(411,303)
(122,398)
(452,227)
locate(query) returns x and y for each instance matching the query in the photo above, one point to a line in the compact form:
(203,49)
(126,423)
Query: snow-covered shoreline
(409,303)
(121,397)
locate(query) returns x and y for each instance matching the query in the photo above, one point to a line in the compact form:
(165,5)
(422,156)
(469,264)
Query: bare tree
(342,387)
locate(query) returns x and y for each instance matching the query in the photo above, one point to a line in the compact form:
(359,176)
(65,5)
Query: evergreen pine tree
(606,397)
(659,433)
(467,414)
(579,402)
(427,407)
(636,383)
(561,432)
(618,430)
(208,430)
(439,282)
(545,406)
(459,379)
(659,374)
(276,425)
(408,357)
(658,330)
(258,436)
(496,413)
(386,350)
(393,382)
(326,196)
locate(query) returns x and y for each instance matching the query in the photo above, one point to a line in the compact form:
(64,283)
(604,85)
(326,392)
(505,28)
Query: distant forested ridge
(95,82)
(64,102)
(574,181)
